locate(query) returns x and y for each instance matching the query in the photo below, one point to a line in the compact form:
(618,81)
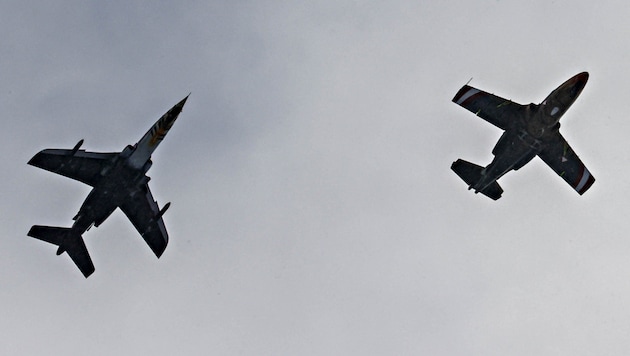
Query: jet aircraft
(530,130)
(118,180)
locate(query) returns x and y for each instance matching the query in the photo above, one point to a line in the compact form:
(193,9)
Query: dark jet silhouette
(119,181)
(530,130)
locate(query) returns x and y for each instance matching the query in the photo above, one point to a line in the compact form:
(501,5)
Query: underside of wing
(80,165)
(562,159)
(496,110)
(144,214)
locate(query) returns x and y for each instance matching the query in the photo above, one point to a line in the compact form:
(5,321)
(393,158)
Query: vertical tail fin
(68,242)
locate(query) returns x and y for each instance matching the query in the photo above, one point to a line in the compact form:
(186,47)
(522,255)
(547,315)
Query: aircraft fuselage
(529,132)
(124,176)
(118,183)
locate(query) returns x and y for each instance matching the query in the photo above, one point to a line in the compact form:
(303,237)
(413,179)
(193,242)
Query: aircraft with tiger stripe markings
(119,180)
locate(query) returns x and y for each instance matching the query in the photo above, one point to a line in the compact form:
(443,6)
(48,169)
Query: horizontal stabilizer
(471,174)
(68,242)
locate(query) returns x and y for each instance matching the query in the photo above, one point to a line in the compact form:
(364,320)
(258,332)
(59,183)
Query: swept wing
(564,161)
(144,214)
(494,109)
(80,165)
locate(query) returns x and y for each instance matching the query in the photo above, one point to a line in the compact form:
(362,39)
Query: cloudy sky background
(313,208)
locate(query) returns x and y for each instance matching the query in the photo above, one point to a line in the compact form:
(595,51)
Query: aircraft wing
(80,165)
(143,213)
(562,159)
(494,109)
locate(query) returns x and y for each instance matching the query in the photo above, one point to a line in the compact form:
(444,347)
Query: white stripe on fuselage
(149,142)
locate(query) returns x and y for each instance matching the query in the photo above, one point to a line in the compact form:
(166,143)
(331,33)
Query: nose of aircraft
(557,103)
(582,77)
(578,83)
(568,91)
(173,113)
(179,106)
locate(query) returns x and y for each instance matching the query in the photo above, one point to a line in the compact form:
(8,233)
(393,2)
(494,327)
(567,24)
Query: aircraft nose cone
(579,82)
(174,112)
(582,78)
(180,105)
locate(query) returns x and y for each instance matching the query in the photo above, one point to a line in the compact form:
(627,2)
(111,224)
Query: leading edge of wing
(79,165)
(494,109)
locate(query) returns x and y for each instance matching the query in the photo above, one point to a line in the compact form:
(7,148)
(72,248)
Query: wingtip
(88,272)
(34,159)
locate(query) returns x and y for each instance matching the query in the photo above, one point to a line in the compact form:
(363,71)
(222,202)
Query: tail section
(67,241)
(472,175)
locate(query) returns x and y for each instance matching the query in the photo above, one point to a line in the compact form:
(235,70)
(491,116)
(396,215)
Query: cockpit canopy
(551,112)
(559,101)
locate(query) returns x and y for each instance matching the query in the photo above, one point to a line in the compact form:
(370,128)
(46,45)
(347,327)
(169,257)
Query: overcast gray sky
(314,211)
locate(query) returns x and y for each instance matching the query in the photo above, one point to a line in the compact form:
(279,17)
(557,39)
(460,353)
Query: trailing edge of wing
(80,165)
